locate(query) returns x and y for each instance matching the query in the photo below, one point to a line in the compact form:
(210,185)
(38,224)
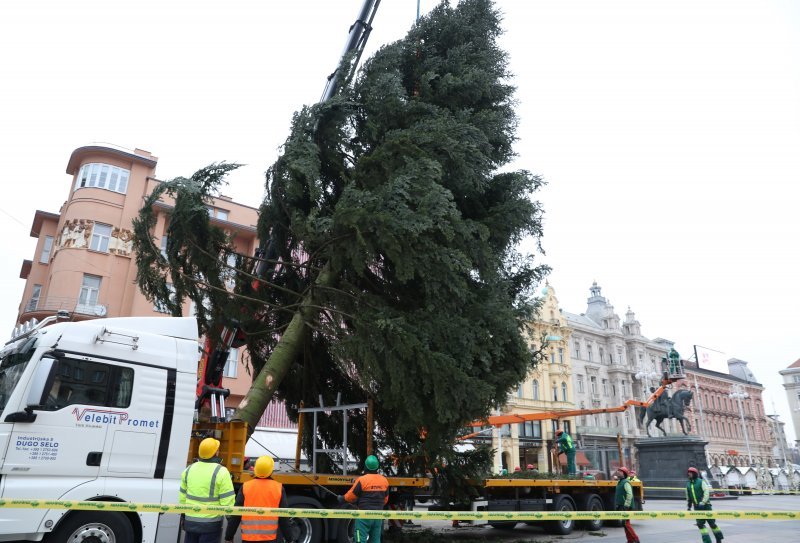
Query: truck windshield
(13,362)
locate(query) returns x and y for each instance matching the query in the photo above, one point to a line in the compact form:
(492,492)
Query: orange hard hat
(559,432)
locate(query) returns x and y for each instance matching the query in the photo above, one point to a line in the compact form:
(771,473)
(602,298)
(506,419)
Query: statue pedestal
(663,462)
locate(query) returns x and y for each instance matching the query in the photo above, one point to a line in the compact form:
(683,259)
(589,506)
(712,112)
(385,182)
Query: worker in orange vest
(260,492)
(370,492)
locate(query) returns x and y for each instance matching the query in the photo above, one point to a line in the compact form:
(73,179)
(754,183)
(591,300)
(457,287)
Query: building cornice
(80,152)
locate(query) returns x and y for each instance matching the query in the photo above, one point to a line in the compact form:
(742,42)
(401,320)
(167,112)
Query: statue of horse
(668,408)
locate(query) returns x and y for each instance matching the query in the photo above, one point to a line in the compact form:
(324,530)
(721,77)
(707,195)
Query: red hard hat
(559,432)
(624,470)
(693,470)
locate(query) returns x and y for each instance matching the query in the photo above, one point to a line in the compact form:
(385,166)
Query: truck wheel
(91,527)
(593,503)
(304,530)
(562,502)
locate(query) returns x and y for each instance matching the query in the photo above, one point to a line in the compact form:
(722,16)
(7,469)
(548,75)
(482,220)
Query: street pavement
(653,531)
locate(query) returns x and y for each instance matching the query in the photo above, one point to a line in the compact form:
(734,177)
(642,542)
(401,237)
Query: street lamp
(738,392)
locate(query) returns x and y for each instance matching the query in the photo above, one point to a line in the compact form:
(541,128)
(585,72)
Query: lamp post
(738,392)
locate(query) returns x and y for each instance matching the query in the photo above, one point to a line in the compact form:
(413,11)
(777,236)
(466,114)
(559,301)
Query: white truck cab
(96,410)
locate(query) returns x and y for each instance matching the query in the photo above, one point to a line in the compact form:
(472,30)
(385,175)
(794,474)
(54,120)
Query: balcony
(43,307)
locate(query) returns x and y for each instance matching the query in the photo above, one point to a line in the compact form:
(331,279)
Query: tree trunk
(289,347)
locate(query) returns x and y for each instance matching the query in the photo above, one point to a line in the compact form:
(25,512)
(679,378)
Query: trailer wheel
(304,530)
(91,527)
(594,504)
(561,527)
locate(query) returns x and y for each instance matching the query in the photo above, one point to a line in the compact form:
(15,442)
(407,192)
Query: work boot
(717,534)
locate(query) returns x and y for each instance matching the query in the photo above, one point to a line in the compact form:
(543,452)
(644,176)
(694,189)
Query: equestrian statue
(666,407)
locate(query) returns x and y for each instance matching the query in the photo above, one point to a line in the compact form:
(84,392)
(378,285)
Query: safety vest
(206,483)
(261,493)
(565,441)
(697,491)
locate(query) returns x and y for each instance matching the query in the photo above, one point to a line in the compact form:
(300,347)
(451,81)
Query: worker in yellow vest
(206,482)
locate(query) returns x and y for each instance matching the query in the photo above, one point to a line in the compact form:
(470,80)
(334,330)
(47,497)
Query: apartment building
(84,264)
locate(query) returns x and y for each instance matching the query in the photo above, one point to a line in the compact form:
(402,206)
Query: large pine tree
(395,237)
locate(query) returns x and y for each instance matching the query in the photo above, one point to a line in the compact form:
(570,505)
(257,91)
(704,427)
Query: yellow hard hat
(208,448)
(264,467)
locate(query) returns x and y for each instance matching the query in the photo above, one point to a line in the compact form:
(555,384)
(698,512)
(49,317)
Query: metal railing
(53,304)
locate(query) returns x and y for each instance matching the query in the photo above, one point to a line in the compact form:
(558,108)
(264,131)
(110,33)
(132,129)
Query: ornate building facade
(791,383)
(547,388)
(728,411)
(611,362)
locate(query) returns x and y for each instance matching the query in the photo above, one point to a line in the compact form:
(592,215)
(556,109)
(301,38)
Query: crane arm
(514,418)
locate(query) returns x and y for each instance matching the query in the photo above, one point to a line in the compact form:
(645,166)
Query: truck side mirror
(42,382)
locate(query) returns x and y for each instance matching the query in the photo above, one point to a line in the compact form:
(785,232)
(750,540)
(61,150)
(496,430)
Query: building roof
(583,320)
(712,373)
(39,218)
(796,364)
(126,154)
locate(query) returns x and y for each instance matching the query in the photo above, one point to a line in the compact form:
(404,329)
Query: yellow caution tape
(733,490)
(490,516)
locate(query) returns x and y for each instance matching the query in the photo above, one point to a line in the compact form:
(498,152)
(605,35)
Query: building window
(535,389)
(563,391)
(589,352)
(555,392)
(103,176)
(580,383)
(164,241)
(221,214)
(34,301)
(605,387)
(232,364)
(577,349)
(624,388)
(600,354)
(230,271)
(531,428)
(90,290)
(519,391)
(593,384)
(552,357)
(797,378)
(101,235)
(44,258)
(161,307)
(560,355)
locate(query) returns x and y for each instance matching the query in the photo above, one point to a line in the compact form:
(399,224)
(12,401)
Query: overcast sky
(668,133)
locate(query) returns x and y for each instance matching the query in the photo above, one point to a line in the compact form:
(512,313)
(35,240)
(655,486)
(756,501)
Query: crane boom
(515,418)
